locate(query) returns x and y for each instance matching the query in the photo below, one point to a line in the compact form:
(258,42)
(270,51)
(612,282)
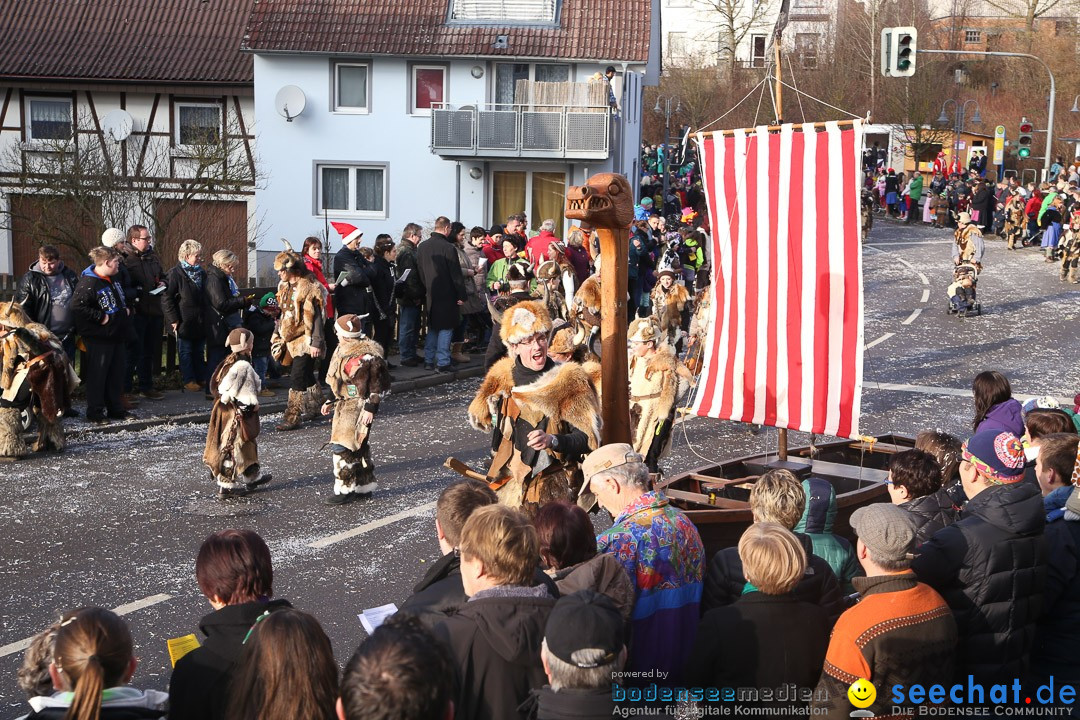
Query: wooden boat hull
(715,497)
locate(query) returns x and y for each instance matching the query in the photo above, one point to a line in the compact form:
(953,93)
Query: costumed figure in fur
(299,340)
(549,282)
(585,309)
(567,343)
(231,452)
(359,379)
(1070,249)
(543,417)
(33,371)
(699,322)
(669,300)
(657,381)
(968,244)
(1015,221)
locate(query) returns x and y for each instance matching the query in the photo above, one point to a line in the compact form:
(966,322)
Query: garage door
(217,224)
(49,220)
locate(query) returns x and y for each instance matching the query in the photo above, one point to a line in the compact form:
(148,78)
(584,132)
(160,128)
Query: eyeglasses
(538,339)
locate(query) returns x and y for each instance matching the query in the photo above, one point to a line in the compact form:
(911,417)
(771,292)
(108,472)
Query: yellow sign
(181,646)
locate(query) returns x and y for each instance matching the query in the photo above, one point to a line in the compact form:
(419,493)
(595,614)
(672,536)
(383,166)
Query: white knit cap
(110,237)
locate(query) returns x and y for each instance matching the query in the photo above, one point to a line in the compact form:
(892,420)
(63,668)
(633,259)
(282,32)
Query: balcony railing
(522,131)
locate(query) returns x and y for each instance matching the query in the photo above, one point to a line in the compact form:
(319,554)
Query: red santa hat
(348,232)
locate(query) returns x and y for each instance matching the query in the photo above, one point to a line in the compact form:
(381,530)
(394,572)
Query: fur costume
(302,314)
(656,383)
(233,461)
(560,400)
(586,307)
(699,326)
(668,306)
(964,236)
(31,354)
(1070,250)
(1014,221)
(358,379)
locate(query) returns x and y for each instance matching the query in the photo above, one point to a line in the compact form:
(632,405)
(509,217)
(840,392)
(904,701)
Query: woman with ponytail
(93,660)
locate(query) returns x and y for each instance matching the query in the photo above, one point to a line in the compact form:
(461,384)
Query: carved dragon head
(605,201)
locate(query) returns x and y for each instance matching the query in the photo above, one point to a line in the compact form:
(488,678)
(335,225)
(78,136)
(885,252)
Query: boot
(291,421)
(456,353)
(12,445)
(313,402)
(1074,275)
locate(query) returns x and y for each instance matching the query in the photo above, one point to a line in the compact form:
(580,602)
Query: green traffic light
(1024,152)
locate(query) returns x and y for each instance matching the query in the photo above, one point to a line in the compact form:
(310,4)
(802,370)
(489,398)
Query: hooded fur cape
(302,315)
(668,307)
(655,385)
(370,380)
(234,383)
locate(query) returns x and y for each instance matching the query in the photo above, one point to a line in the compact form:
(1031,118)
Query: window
(198,123)
(541,195)
(358,190)
(806,44)
(49,118)
(757,51)
(676,44)
(678,3)
(507,75)
(972,36)
(351,87)
(504,12)
(428,88)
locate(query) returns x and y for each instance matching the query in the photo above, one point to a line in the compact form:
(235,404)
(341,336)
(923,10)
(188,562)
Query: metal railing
(528,131)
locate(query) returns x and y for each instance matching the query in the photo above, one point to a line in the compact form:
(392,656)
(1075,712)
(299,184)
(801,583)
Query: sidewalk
(180,407)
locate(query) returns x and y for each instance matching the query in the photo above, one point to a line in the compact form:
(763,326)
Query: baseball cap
(269,299)
(585,630)
(887,530)
(608,456)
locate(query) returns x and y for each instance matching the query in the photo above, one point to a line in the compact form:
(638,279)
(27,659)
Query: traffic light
(1023,140)
(898,51)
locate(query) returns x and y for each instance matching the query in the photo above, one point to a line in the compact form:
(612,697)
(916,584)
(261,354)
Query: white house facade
(392,133)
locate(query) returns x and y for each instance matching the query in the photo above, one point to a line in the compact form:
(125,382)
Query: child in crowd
(260,320)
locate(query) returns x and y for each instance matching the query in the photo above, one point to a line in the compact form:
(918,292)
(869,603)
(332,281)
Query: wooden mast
(782,434)
(614,383)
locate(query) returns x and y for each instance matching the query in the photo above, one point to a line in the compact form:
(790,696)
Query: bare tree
(1031,10)
(733,20)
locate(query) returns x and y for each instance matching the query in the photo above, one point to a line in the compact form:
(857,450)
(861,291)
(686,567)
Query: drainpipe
(457,191)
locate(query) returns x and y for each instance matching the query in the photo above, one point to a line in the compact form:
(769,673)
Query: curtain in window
(506,76)
(507,195)
(199,125)
(369,189)
(352,86)
(335,188)
(50,119)
(548,199)
(552,73)
(428,89)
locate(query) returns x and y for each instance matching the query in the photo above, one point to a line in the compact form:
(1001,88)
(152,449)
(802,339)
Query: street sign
(999,145)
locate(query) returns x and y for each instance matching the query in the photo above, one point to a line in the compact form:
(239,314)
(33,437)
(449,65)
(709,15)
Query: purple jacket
(1005,416)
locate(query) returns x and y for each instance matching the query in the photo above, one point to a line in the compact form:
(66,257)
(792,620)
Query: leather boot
(457,354)
(313,402)
(291,421)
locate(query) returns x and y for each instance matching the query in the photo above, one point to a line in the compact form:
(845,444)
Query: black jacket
(382,284)
(107,713)
(441,274)
(410,292)
(184,303)
(95,298)
(931,513)
(1058,633)
(569,704)
(441,593)
(199,689)
(353,295)
(146,272)
(495,645)
(224,307)
(724,582)
(261,326)
(762,641)
(33,293)
(990,566)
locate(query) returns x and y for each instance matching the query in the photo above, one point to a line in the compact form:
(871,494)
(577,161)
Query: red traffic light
(1026,127)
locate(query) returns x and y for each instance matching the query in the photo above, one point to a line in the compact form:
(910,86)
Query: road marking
(914,242)
(880,340)
(374,525)
(925,295)
(924,280)
(131,607)
(956,392)
(911,318)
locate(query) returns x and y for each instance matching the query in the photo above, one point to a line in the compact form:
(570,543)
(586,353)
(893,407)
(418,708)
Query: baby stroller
(963,299)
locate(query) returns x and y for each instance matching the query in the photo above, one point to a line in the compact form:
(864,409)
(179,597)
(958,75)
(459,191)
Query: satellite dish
(117,124)
(290,102)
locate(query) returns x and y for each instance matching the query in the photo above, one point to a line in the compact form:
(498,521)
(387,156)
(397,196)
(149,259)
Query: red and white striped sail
(785,340)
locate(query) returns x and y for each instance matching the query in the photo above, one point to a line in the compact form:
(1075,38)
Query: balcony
(532,132)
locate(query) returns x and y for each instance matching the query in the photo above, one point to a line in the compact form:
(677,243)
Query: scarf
(233,289)
(196,274)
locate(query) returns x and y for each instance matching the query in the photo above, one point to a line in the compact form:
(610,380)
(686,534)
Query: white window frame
(351,212)
(178,104)
(30,125)
(334,80)
(426,112)
(758,61)
(968,37)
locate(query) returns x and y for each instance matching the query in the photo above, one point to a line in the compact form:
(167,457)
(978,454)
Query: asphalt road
(118,518)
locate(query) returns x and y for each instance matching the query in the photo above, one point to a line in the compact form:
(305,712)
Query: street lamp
(960,116)
(666,112)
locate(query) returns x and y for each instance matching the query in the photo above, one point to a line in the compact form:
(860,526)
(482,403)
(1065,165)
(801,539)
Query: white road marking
(880,340)
(911,318)
(957,392)
(374,525)
(913,242)
(925,295)
(126,609)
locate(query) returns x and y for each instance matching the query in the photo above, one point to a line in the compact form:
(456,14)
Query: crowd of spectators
(971,570)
